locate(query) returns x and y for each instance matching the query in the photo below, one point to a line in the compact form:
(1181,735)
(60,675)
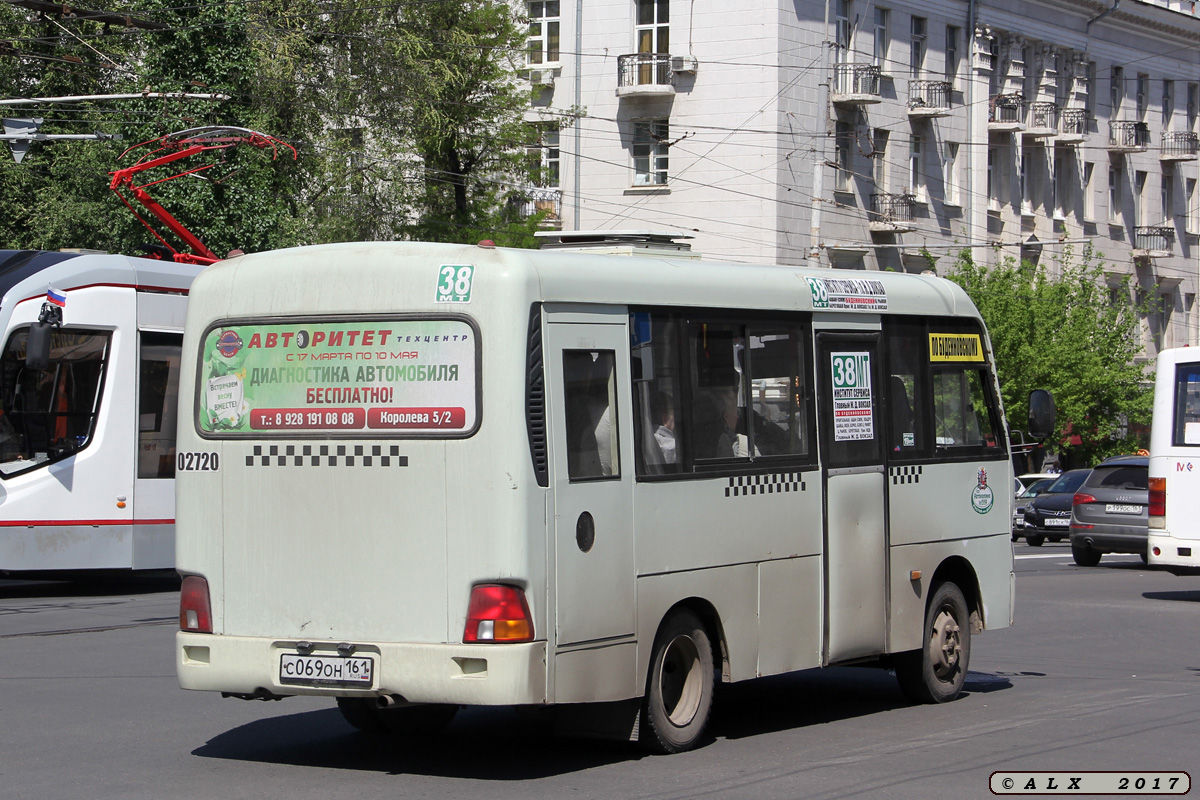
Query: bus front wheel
(936,672)
(679,690)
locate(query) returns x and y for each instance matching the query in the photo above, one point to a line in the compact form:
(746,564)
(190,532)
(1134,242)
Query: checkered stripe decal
(325,455)
(905,475)
(742,485)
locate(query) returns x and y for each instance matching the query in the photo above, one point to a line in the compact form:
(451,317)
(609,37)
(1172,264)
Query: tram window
(49,414)
(158,392)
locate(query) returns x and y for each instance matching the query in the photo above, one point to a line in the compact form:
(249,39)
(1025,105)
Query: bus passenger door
(855,503)
(592,474)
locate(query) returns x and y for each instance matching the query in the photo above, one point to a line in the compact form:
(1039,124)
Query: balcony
(891,213)
(1006,112)
(1179,146)
(645,74)
(1072,125)
(1126,136)
(1153,241)
(534,201)
(928,99)
(1043,120)
(856,84)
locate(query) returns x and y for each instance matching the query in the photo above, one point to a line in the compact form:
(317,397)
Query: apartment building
(863,134)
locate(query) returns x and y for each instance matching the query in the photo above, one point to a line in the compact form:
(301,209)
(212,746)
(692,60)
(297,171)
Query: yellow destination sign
(955,347)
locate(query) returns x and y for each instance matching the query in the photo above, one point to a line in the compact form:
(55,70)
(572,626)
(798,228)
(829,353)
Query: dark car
(1109,510)
(1022,499)
(1048,516)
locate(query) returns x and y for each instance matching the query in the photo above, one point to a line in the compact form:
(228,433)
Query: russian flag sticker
(57,297)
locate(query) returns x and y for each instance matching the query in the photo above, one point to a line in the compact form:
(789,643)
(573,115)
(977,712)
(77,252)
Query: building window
(950,176)
(543,31)
(1116,214)
(1189,303)
(653,26)
(1193,105)
(1025,181)
(1168,104)
(915,185)
(879,160)
(650,149)
(842,139)
(1165,306)
(545,158)
(952,52)
(1089,198)
(1058,178)
(1143,95)
(993,200)
(916,53)
(842,30)
(1193,208)
(1089,97)
(1116,92)
(1166,195)
(879,57)
(1139,197)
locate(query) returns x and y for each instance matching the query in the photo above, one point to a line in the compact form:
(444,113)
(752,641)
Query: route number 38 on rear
(192,461)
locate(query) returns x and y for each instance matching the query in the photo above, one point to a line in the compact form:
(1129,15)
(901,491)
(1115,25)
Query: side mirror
(37,346)
(1041,413)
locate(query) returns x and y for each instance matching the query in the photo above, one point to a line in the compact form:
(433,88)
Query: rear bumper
(1180,556)
(501,674)
(1111,539)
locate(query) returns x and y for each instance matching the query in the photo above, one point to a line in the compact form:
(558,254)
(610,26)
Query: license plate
(317,670)
(1057,522)
(1116,508)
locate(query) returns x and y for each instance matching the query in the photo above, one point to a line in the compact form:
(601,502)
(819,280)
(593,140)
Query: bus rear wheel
(679,690)
(366,714)
(936,672)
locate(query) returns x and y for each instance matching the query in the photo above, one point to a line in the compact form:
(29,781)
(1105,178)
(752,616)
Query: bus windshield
(49,414)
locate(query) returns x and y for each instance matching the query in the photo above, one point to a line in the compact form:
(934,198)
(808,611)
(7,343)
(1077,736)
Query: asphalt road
(1100,672)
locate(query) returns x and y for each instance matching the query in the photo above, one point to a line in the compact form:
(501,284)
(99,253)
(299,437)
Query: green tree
(1058,327)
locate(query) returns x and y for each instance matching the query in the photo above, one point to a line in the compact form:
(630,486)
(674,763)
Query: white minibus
(1174,534)
(415,477)
(87,437)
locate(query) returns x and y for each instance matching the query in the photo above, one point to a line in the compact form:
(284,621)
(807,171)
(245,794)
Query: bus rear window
(368,378)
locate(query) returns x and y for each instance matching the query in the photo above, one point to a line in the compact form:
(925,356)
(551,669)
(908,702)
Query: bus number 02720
(197,462)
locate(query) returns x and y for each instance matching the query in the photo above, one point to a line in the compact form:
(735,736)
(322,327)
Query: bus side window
(590,392)
(654,357)
(961,416)
(158,390)
(718,429)
(1187,405)
(907,390)
(779,391)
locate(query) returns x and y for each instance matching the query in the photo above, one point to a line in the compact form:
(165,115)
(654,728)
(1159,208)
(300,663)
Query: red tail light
(498,613)
(1158,499)
(1080,498)
(195,610)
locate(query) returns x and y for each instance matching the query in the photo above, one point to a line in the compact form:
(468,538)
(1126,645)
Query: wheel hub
(945,644)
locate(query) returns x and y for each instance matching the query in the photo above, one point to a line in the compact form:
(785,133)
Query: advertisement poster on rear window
(389,377)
